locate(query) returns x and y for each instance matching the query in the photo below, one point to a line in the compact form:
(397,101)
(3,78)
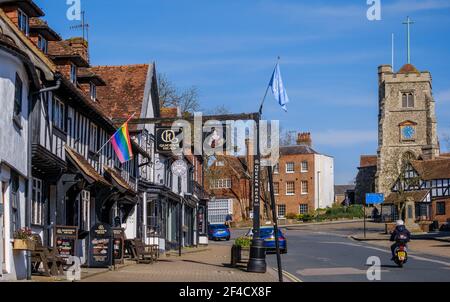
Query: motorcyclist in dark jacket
(399,235)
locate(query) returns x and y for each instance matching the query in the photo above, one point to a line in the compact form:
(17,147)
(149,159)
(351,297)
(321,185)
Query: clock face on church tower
(408,132)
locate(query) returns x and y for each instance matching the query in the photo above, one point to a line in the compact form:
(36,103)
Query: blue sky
(227,48)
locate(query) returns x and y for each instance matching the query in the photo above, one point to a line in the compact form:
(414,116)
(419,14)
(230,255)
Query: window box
(24,245)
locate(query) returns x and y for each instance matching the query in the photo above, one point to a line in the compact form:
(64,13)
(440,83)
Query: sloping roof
(37,24)
(29,7)
(408,68)
(432,169)
(342,189)
(64,49)
(417,196)
(169,112)
(297,149)
(235,164)
(124,92)
(118,179)
(368,161)
(85,168)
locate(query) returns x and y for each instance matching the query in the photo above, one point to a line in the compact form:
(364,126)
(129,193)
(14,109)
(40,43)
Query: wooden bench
(51,262)
(144,253)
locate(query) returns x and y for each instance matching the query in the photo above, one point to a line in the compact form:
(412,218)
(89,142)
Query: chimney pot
(304,138)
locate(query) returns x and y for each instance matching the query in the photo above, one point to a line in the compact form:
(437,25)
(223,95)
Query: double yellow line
(289,276)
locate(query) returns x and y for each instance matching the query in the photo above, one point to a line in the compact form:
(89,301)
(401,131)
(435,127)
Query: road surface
(325,253)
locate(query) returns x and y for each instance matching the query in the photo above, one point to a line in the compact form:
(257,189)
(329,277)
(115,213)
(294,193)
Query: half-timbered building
(425,183)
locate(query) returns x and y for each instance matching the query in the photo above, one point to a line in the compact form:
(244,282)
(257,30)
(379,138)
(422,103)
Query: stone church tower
(407,121)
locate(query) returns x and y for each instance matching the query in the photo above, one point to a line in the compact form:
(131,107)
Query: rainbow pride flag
(122,144)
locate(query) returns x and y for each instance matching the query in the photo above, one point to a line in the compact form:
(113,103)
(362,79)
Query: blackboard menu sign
(100,246)
(65,239)
(118,245)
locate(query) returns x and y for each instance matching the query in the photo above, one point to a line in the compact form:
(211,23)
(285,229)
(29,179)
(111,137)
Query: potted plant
(23,240)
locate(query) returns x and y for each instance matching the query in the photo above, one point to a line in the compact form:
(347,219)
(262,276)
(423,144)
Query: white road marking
(388,252)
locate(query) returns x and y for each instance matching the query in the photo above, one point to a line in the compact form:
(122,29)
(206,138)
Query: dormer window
(408,100)
(93,91)
(43,44)
(73,73)
(24,24)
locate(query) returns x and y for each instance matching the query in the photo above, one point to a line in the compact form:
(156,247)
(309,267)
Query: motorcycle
(401,255)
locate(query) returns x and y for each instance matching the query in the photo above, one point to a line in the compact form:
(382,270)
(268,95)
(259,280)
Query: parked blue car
(219,232)
(268,235)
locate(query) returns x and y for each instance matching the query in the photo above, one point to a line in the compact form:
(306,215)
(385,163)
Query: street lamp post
(257,262)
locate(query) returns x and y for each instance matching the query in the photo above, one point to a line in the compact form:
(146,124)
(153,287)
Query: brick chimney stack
(80,46)
(304,139)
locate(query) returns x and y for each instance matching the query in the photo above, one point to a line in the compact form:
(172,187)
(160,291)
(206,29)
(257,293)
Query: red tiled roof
(65,49)
(169,112)
(408,68)
(432,169)
(368,161)
(123,94)
(417,196)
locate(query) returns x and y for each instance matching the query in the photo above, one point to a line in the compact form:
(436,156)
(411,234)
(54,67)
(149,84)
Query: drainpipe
(34,96)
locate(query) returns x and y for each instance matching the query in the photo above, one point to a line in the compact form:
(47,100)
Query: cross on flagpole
(408,24)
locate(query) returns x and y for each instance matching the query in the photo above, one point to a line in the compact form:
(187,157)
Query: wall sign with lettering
(65,240)
(168,140)
(100,246)
(118,245)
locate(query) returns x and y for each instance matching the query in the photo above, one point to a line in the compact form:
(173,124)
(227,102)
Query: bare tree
(397,175)
(170,96)
(287,137)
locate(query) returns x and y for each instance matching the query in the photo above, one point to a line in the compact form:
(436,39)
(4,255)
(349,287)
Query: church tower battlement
(406,123)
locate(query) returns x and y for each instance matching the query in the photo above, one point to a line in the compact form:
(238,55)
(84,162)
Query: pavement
(207,265)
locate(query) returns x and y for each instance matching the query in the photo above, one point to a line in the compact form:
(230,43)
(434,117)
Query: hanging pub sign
(100,246)
(65,240)
(118,245)
(168,140)
(215,136)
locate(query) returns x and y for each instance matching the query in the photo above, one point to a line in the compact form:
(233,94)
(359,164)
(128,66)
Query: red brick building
(303,179)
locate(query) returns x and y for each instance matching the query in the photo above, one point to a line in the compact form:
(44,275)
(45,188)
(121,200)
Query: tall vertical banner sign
(256,185)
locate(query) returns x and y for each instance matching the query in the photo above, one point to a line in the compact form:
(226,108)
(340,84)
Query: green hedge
(243,241)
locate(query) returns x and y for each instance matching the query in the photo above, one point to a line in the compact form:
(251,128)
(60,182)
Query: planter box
(24,245)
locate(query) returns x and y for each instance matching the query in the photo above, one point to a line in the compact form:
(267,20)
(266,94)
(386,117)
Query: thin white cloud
(409,6)
(345,138)
(443,96)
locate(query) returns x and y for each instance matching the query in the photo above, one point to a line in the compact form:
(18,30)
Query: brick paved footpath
(207,265)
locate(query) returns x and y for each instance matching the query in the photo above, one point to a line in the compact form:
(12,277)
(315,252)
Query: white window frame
(59,115)
(303,164)
(43,44)
(303,191)
(86,208)
(73,73)
(93,91)
(37,203)
(287,189)
(276,169)
(281,206)
(293,167)
(21,18)
(301,209)
(276,185)
(93,134)
(223,183)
